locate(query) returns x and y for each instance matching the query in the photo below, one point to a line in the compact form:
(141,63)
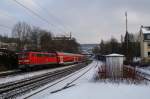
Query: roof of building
(145,29)
(114,55)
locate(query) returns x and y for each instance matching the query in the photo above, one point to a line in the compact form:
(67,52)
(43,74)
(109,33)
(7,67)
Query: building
(145,43)
(9,46)
(114,65)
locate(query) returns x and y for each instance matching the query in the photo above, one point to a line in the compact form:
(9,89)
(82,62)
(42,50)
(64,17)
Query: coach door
(61,59)
(74,59)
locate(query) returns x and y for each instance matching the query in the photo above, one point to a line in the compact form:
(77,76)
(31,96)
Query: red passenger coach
(68,58)
(33,59)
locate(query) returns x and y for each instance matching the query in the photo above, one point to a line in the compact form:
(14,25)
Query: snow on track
(47,91)
(144,72)
(86,88)
(29,74)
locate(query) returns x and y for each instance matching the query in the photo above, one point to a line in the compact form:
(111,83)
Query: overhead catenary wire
(70,84)
(36,14)
(55,83)
(53,16)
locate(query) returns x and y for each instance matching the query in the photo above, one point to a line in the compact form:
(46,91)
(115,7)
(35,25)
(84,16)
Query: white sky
(88,20)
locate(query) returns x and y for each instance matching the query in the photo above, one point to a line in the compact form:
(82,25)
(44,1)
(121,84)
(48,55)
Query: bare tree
(46,42)
(35,38)
(21,31)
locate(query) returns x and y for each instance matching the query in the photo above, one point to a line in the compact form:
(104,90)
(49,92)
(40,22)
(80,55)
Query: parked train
(33,59)
(8,59)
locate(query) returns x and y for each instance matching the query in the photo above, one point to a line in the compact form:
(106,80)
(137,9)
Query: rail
(14,89)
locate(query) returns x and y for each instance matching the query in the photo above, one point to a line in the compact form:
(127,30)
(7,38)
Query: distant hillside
(87,48)
(89,45)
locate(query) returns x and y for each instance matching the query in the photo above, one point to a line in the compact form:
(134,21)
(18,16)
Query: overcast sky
(88,20)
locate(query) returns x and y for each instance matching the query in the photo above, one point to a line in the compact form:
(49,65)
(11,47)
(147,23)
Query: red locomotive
(32,59)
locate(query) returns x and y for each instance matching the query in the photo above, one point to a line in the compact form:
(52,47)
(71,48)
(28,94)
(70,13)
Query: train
(8,59)
(36,59)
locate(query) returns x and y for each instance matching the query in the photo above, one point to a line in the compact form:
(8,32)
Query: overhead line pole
(128,44)
(126,22)
(127,28)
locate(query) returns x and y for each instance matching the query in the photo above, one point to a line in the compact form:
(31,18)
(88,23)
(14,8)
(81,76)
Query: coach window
(46,55)
(39,55)
(33,55)
(50,55)
(148,45)
(43,55)
(148,54)
(53,55)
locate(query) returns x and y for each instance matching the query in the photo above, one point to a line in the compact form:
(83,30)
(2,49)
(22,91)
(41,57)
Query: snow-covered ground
(86,88)
(29,74)
(102,91)
(144,72)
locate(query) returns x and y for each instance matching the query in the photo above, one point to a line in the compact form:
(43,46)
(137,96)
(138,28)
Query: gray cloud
(88,20)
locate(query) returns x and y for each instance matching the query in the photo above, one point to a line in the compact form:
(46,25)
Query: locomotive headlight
(20,60)
(26,60)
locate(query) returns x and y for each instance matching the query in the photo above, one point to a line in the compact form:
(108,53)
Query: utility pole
(128,50)
(70,35)
(127,28)
(126,22)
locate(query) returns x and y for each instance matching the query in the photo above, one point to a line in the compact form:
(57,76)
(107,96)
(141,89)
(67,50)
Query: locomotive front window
(38,55)
(52,55)
(33,55)
(24,55)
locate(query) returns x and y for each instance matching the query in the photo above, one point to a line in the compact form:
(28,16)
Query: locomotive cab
(36,59)
(23,60)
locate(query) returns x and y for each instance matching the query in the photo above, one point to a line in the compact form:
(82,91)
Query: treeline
(29,37)
(129,46)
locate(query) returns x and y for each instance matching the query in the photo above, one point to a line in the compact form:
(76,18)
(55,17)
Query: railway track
(16,72)
(20,87)
(9,73)
(68,84)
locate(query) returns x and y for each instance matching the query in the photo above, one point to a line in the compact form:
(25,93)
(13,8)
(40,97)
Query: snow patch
(86,88)
(28,75)
(103,91)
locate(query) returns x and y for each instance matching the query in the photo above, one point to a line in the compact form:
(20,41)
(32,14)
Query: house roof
(145,30)
(114,55)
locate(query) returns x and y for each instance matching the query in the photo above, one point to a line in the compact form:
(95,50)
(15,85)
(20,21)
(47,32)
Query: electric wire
(54,17)
(34,13)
